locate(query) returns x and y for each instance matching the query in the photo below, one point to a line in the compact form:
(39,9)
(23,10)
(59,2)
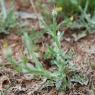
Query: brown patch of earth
(13,83)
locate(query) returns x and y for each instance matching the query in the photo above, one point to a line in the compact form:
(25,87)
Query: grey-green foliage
(7,18)
(60,59)
(87,19)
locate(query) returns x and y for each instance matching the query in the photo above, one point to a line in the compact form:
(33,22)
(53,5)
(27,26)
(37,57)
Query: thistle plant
(59,58)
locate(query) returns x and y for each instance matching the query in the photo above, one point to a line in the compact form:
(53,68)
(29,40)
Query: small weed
(60,59)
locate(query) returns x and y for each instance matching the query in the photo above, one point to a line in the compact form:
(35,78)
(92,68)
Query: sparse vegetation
(49,47)
(58,56)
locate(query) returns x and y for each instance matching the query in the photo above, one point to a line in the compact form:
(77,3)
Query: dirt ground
(13,83)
